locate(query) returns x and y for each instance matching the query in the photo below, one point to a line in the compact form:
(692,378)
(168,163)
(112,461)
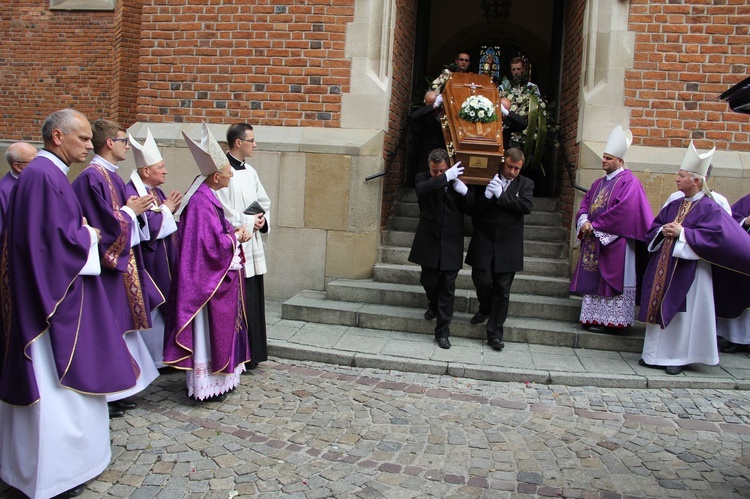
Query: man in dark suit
(439,242)
(496,249)
(428,131)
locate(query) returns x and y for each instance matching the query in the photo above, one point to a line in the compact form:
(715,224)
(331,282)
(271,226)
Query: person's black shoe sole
(496,344)
(75,492)
(124,404)
(479,318)
(430,314)
(114,412)
(674,370)
(595,328)
(443,343)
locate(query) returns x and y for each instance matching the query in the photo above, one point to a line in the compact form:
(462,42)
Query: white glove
(438,101)
(454,171)
(460,187)
(494,188)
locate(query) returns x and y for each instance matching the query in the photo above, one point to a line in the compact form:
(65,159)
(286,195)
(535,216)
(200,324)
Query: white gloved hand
(438,101)
(460,187)
(494,188)
(454,171)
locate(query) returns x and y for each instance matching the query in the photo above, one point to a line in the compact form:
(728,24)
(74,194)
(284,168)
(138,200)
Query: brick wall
(126,47)
(403,50)
(270,62)
(686,54)
(571,75)
(50,60)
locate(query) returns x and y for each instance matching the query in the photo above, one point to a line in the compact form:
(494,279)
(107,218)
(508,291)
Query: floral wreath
(478,109)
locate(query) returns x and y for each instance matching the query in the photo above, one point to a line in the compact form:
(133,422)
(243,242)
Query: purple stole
(131,289)
(7,183)
(202,280)
(711,234)
(618,206)
(42,249)
(159,255)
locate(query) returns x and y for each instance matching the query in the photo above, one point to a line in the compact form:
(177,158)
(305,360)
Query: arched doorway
(533,29)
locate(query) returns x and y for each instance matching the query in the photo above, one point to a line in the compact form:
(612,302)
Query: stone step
(540,249)
(523,282)
(536,217)
(312,306)
(531,232)
(553,267)
(410,295)
(541,204)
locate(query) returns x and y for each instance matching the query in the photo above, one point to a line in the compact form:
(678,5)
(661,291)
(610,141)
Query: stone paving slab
(301,429)
(471,355)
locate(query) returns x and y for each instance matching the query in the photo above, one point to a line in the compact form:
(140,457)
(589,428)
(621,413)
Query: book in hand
(254,209)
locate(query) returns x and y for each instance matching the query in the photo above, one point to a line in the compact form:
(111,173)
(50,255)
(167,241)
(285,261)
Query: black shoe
(730,347)
(443,342)
(123,404)
(495,343)
(479,318)
(643,363)
(217,398)
(595,328)
(674,370)
(75,492)
(114,412)
(430,314)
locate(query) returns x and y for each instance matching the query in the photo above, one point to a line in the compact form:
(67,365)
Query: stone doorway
(534,28)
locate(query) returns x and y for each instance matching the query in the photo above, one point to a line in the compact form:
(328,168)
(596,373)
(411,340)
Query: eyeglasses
(21,162)
(247,140)
(463,60)
(124,139)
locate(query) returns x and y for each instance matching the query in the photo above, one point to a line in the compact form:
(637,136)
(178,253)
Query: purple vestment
(132,292)
(732,289)
(159,255)
(202,279)
(6,185)
(618,207)
(711,234)
(43,248)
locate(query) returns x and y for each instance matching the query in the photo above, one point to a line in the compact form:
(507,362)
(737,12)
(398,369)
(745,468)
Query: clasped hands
(243,235)
(452,175)
(672,229)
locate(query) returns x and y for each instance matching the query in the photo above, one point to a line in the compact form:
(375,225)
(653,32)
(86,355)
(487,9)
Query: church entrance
(532,29)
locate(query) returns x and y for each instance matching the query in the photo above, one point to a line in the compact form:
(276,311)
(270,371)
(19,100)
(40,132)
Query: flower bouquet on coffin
(478,109)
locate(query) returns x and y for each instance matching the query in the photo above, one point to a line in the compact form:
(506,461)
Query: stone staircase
(541,310)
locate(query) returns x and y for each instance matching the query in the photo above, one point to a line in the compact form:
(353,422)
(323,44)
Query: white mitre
(697,163)
(208,154)
(147,154)
(618,142)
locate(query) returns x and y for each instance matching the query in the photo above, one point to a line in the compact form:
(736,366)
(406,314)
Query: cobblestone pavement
(310,430)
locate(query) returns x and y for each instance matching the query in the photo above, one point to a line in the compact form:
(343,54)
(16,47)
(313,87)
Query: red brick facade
(268,62)
(403,50)
(569,91)
(686,54)
(50,60)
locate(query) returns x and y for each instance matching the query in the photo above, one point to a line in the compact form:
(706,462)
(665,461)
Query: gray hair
(60,120)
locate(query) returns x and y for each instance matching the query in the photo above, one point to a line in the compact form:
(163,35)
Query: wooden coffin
(478,146)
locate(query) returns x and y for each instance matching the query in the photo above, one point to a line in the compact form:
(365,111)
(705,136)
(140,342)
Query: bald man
(18,155)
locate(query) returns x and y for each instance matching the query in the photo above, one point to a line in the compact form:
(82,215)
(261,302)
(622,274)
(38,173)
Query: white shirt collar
(57,161)
(696,197)
(106,164)
(612,175)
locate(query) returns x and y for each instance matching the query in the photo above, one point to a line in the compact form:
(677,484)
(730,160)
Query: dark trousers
(493,295)
(440,287)
(482,279)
